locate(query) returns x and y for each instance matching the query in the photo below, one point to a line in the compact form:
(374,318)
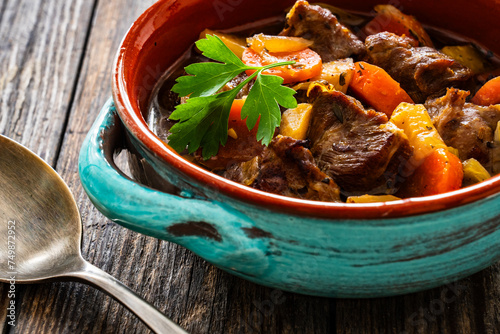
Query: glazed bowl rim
(131,116)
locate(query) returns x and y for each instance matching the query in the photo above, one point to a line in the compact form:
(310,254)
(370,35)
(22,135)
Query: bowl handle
(211,229)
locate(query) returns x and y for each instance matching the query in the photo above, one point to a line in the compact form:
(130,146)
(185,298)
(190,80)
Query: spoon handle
(153,318)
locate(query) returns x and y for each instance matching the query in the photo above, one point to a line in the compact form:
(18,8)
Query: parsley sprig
(203,119)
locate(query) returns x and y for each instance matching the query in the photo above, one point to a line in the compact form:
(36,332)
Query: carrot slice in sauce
(308,63)
(440,172)
(488,94)
(377,88)
(238,124)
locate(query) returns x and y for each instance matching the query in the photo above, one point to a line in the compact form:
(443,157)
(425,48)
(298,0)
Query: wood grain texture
(58,308)
(457,307)
(37,98)
(3,307)
(41,45)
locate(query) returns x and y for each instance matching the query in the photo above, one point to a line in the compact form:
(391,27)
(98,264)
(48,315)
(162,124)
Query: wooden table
(55,73)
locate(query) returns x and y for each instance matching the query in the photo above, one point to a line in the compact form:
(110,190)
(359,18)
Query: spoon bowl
(41,232)
(37,206)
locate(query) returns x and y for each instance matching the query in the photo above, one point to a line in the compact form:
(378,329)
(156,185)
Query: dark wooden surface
(55,67)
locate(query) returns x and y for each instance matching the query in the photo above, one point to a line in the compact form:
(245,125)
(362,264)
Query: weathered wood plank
(40,51)
(466,306)
(3,307)
(70,307)
(487,304)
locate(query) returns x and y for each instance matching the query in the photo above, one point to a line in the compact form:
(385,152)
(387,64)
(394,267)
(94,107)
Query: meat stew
(347,139)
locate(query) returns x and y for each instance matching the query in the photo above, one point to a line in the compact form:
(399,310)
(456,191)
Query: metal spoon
(41,232)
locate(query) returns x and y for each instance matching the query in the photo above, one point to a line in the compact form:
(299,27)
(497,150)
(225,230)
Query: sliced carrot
(488,94)
(375,86)
(239,125)
(308,63)
(440,172)
(390,19)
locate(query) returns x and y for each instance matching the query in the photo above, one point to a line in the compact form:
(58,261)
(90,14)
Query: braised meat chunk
(332,40)
(465,126)
(357,147)
(286,168)
(422,71)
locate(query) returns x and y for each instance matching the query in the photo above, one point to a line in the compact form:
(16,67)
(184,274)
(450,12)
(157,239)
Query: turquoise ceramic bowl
(325,249)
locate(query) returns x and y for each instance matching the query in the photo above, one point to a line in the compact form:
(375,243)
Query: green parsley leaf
(203,119)
(265,96)
(207,78)
(214,48)
(192,130)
